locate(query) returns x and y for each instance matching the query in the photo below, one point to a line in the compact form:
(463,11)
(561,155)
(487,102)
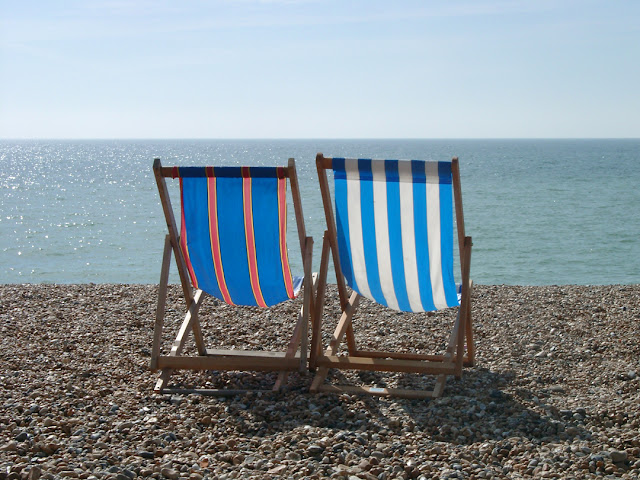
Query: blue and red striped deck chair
(392,241)
(232,245)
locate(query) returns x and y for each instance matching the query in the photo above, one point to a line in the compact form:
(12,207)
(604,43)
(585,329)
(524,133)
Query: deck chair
(232,246)
(391,240)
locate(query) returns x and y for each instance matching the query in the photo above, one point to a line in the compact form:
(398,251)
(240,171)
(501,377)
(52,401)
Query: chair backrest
(233,233)
(394,226)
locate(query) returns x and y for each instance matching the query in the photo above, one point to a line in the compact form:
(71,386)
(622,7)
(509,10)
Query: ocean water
(540,212)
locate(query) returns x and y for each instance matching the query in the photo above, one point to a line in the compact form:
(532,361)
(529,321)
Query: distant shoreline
(258,139)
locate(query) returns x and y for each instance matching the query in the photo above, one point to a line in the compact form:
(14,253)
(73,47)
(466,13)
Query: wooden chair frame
(219,359)
(450,363)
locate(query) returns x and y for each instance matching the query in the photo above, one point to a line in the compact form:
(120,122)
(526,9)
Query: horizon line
(299,138)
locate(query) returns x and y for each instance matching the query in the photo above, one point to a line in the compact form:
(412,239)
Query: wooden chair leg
(343,327)
(181,337)
(300,336)
(308,304)
(291,350)
(439,388)
(453,349)
(471,348)
(163,380)
(321,282)
(162,299)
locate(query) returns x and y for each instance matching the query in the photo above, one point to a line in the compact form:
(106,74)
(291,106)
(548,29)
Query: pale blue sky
(319,69)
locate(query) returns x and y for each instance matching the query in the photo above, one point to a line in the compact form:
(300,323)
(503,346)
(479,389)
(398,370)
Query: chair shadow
(483,406)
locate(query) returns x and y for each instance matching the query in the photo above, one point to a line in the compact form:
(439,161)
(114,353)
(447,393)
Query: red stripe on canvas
(282,225)
(250,238)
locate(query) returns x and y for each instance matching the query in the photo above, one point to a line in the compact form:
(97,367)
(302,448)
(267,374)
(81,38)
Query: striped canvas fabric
(395,231)
(233,233)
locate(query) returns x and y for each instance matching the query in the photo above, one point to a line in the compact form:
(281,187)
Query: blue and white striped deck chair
(392,241)
(232,245)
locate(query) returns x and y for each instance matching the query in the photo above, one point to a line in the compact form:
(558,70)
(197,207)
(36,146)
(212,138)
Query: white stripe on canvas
(433,235)
(355,226)
(408,237)
(382,233)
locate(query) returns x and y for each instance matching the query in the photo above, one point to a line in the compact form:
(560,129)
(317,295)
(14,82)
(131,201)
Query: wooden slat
(395,392)
(162,381)
(195,328)
(187,325)
(341,329)
(297,203)
(344,323)
(247,353)
(453,337)
(165,200)
(162,298)
(325,191)
(185,281)
(179,342)
(454,341)
(263,363)
(400,355)
(307,304)
(319,379)
(326,163)
(457,197)
(306,251)
(385,365)
(316,334)
(465,306)
(439,388)
(471,348)
(410,356)
(295,341)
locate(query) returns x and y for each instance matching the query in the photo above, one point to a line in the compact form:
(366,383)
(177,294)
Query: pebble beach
(554,392)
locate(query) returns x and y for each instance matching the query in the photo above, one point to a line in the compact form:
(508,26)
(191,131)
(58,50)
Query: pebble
(34,473)
(554,393)
(618,456)
(170,473)
(314,450)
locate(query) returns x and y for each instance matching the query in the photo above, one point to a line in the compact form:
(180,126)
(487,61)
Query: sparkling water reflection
(540,211)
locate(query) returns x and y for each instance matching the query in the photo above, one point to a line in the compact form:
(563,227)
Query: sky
(319,69)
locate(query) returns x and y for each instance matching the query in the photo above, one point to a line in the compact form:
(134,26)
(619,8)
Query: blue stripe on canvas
(421,235)
(342,221)
(444,173)
(267,238)
(394,214)
(233,248)
(369,230)
(196,211)
(446,232)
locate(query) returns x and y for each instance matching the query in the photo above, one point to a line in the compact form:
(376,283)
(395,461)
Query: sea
(541,212)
